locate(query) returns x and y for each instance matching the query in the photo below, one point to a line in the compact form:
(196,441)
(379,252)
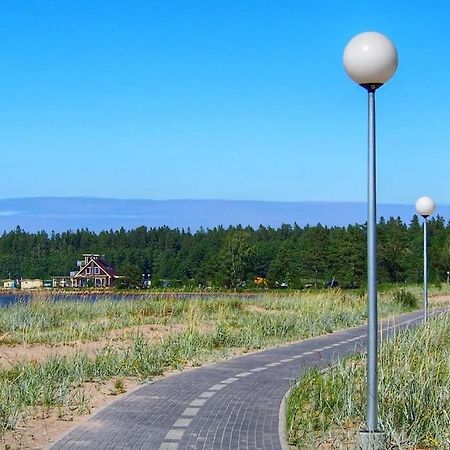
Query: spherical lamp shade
(425,206)
(370,58)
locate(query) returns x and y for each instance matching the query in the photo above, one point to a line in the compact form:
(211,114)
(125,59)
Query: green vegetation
(414,394)
(211,328)
(45,321)
(288,256)
(406,298)
(42,320)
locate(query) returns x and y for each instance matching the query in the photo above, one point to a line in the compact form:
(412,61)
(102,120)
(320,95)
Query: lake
(8,299)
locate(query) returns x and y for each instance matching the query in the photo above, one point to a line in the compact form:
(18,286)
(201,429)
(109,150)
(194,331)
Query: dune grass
(42,320)
(414,394)
(244,324)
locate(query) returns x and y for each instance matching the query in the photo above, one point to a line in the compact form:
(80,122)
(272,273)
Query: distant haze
(95,214)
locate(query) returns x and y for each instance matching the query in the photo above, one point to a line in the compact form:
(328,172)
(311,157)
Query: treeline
(287,256)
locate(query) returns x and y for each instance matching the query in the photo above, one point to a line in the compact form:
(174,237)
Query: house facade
(93,271)
(31,284)
(9,284)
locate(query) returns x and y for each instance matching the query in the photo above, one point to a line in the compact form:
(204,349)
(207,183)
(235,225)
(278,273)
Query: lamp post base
(371,440)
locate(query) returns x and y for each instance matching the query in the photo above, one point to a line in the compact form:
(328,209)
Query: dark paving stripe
(230,405)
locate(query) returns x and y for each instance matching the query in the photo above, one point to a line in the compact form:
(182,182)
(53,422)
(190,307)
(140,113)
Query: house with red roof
(93,271)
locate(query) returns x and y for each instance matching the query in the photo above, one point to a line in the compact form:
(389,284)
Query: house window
(88,270)
(96,270)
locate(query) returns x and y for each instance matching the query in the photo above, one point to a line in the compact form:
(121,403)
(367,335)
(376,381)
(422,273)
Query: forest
(236,257)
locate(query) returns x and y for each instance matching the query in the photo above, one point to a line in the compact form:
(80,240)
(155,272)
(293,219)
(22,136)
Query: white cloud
(7,213)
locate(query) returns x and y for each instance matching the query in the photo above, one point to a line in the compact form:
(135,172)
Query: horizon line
(75,197)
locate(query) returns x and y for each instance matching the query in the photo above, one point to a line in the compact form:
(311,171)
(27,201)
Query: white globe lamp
(425,206)
(370,59)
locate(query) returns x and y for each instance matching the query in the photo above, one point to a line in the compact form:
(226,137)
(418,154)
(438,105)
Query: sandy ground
(39,427)
(439,300)
(10,354)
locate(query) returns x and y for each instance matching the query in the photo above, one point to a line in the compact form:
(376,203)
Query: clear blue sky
(219,99)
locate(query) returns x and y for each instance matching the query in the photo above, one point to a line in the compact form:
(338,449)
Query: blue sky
(219,99)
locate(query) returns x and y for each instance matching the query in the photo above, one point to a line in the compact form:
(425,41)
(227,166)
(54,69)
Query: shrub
(406,299)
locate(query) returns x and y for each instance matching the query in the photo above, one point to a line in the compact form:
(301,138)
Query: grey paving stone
(242,414)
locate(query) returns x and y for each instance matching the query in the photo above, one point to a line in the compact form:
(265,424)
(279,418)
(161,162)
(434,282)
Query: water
(8,299)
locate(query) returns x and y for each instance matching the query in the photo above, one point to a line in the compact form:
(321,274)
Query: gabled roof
(106,267)
(103,266)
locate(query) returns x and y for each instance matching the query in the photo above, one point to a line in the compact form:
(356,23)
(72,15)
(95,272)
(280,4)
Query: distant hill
(96,214)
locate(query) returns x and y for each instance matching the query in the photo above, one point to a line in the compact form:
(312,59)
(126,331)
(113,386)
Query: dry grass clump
(414,394)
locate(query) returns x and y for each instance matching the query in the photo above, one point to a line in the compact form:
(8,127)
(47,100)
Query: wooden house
(94,271)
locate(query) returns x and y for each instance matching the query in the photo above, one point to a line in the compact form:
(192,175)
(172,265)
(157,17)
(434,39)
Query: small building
(62,282)
(9,284)
(31,284)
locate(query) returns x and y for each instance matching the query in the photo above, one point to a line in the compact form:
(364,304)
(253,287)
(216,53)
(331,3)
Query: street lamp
(425,206)
(370,59)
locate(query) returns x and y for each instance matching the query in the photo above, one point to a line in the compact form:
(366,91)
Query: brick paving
(234,404)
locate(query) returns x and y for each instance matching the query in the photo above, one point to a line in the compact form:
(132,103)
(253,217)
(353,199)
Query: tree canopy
(234,257)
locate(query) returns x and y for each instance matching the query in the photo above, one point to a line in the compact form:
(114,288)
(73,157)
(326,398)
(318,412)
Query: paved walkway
(231,405)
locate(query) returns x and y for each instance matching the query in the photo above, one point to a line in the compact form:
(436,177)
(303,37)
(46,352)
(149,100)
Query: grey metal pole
(372,350)
(425,271)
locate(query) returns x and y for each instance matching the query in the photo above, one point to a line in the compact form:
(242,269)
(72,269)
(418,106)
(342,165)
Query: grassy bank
(41,320)
(414,395)
(198,330)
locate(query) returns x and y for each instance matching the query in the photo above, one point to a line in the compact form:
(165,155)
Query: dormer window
(88,270)
(96,270)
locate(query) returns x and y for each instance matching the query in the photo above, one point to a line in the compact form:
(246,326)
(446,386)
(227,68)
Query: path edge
(282,420)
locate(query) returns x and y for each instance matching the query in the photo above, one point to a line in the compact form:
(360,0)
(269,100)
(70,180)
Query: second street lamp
(370,59)
(425,206)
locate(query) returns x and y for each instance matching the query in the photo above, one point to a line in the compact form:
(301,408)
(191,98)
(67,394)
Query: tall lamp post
(425,206)
(370,59)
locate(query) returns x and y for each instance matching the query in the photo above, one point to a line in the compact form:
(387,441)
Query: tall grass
(414,394)
(45,321)
(235,323)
